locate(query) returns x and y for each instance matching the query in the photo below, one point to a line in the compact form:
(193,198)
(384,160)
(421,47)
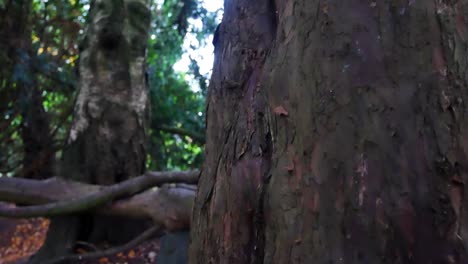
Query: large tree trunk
(336,134)
(107,139)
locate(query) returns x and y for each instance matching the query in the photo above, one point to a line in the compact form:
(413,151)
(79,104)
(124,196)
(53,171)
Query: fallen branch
(169,206)
(112,251)
(85,196)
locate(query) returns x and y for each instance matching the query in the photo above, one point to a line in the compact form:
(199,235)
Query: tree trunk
(38,153)
(107,139)
(39,150)
(336,134)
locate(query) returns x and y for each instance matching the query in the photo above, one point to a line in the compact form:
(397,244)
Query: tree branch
(93,197)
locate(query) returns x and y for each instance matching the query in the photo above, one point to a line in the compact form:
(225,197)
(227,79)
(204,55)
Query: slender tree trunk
(38,154)
(336,134)
(107,139)
(39,151)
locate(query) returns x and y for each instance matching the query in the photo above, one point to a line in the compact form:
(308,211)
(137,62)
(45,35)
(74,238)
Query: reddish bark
(336,133)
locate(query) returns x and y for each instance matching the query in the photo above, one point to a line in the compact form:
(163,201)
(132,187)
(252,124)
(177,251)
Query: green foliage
(38,56)
(175,101)
(48,63)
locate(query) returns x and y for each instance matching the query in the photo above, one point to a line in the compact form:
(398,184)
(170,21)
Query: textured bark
(228,211)
(107,139)
(362,156)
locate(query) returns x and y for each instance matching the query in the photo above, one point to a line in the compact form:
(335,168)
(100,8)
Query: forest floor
(20,238)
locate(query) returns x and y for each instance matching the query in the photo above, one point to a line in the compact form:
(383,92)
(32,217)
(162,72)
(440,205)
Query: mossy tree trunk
(107,140)
(337,133)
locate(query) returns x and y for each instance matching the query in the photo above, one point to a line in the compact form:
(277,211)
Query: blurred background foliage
(39,51)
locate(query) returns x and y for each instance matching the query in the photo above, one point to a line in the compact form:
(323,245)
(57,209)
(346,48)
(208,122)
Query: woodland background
(39,51)
(39,82)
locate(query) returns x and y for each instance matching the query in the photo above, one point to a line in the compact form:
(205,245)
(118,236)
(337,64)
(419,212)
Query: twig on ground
(150,232)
